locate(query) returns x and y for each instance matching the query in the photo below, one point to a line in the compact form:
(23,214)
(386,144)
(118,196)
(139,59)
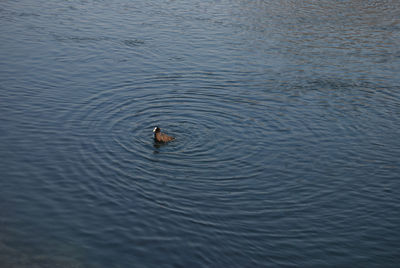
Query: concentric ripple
(218,133)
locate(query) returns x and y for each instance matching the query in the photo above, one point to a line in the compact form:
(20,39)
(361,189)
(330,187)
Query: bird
(161,137)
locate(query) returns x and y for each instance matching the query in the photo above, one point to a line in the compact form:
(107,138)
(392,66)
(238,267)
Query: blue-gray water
(286,114)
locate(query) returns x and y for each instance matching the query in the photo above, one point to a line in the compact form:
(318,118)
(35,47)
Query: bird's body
(161,137)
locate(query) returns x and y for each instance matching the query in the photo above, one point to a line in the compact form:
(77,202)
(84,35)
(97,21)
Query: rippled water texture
(287,123)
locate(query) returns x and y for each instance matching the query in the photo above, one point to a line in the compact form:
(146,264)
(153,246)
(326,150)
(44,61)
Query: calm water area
(286,115)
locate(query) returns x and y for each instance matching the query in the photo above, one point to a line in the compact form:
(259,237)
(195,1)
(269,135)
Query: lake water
(287,123)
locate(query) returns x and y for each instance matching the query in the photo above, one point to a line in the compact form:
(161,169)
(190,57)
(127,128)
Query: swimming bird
(161,137)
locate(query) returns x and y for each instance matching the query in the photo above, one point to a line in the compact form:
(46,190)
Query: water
(287,123)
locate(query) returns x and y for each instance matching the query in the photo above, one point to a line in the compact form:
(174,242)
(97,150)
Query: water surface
(287,123)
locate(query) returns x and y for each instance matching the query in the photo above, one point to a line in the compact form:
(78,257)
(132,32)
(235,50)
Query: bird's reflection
(157,146)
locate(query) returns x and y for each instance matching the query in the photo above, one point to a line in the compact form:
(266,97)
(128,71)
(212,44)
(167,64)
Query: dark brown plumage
(161,137)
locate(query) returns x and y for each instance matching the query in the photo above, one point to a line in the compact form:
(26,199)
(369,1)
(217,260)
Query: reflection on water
(286,118)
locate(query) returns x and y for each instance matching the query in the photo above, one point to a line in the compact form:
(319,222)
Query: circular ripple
(218,134)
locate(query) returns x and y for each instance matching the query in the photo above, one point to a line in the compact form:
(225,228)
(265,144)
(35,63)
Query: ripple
(133,42)
(217,130)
